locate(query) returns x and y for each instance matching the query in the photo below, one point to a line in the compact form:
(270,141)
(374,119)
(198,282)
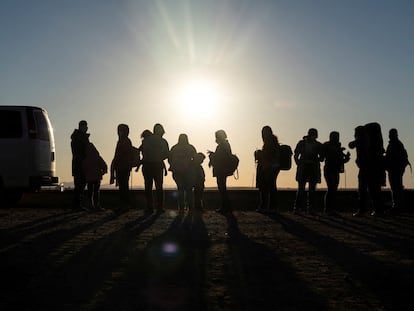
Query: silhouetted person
(154,150)
(79,142)
(199,178)
(308,154)
(335,158)
(94,168)
(180,159)
(396,159)
(218,160)
(268,168)
(145,133)
(370,161)
(121,165)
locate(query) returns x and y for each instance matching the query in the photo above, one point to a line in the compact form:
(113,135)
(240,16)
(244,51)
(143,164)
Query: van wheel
(10,198)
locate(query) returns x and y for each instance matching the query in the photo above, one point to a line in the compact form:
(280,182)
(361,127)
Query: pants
(93,193)
(332,182)
(268,188)
(222,187)
(369,187)
(153,172)
(123,184)
(185,190)
(395,179)
(79,188)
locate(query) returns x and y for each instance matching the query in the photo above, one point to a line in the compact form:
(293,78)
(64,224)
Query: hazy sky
(290,64)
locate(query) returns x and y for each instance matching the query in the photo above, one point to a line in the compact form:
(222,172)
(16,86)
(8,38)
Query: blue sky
(292,65)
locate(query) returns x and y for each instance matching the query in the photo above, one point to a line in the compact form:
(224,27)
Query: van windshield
(10,124)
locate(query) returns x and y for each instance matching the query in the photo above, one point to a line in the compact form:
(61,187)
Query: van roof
(21,107)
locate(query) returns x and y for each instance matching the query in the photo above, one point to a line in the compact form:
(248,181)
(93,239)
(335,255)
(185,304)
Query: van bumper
(38,181)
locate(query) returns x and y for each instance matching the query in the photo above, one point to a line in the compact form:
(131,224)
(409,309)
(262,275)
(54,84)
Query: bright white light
(198,99)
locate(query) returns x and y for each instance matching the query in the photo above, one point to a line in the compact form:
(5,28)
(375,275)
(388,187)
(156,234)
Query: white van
(27,151)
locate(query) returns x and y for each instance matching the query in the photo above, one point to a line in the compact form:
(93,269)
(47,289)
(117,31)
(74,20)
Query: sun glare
(198,99)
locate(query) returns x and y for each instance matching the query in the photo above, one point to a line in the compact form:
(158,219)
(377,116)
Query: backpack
(135,158)
(285,157)
(232,165)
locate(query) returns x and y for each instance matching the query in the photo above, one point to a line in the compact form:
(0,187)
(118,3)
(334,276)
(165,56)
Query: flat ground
(54,259)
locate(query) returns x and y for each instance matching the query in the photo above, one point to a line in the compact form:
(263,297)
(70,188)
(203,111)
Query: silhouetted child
(94,167)
(199,179)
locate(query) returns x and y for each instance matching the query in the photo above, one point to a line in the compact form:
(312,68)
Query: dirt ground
(52,258)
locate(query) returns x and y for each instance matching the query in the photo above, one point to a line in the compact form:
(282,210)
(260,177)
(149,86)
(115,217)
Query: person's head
(393,134)
(83,126)
(183,139)
(266,132)
(199,158)
(146,133)
(312,133)
(334,137)
(159,129)
(359,132)
(123,130)
(221,136)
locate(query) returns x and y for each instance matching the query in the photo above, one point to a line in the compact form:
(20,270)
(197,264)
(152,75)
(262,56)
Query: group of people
(185,163)
(372,160)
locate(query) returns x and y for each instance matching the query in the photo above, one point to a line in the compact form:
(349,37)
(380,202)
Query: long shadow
(168,274)
(261,280)
(17,233)
(76,282)
(27,268)
(390,239)
(390,282)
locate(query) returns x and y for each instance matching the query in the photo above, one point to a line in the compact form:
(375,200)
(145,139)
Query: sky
(200,66)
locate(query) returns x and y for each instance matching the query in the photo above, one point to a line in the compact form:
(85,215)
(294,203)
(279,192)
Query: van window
(41,125)
(10,124)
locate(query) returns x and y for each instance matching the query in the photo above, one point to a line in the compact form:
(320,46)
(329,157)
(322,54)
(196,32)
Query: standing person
(154,150)
(79,142)
(396,159)
(199,179)
(335,158)
(308,155)
(268,168)
(94,167)
(218,160)
(371,176)
(121,164)
(180,158)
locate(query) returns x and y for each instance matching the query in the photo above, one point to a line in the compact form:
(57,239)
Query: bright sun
(198,99)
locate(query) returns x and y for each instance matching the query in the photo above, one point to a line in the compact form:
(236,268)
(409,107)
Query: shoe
(373,213)
(358,213)
(148,211)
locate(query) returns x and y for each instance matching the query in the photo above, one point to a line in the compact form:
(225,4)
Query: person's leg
(222,187)
(159,179)
(299,201)
(123,183)
(397,190)
(78,191)
(148,182)
(273,190)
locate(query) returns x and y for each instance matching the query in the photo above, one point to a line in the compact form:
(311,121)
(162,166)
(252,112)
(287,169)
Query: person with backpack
(268,168)
(155,150)
(180,159)
(335,159)
(308,154)
(94,167)
(121,165)
(369,148)
(219,160)
(396,160)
